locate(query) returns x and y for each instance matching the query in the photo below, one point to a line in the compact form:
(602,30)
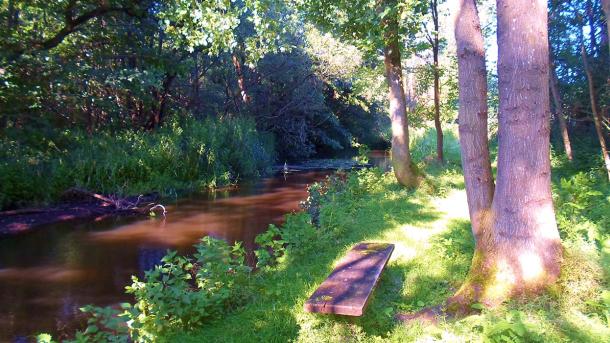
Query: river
(48,274)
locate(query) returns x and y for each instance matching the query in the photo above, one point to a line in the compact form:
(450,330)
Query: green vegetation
(185,155)
(434,248)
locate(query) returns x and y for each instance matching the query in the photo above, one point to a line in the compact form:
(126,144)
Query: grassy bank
(36,167)
(432,256)
(213,297)
(434,246)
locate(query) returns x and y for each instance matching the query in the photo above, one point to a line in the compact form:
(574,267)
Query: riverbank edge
(21,221)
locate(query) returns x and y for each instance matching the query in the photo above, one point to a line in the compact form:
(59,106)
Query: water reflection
(46,275)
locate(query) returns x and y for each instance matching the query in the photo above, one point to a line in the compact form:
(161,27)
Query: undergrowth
(36,168)
(433,251)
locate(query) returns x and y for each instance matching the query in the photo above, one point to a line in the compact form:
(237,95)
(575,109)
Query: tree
(606,7)
(518,249)
(435,43)
(376,25)
(597,118)
(563,127)
(472,116)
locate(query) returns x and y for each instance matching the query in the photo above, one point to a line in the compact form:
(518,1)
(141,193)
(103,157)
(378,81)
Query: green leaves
(212,25)
(183,292)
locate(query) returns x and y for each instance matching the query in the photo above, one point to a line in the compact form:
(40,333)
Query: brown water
(48,274)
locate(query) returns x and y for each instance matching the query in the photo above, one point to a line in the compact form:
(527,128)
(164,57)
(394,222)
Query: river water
(48,274)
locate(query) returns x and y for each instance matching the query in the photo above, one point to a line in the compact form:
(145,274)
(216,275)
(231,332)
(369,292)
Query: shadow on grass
(275,310)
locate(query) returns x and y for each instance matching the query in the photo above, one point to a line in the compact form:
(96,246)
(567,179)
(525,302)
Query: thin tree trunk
(606,7)
(241,82)
(518,250)
(591,21)
(437,91)
(597,119)
(472,115)
(401,156)
(559,111)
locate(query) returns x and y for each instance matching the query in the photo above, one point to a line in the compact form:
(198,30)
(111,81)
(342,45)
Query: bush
(187,155)
(183,292)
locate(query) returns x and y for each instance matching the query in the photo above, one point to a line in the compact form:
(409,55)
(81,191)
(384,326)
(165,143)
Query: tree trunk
(591,21)
(437,91)
(518,250)
(241,82)
(162,97)
(472,115)
(606,7)
(563,127)
(401,156)
(597,118)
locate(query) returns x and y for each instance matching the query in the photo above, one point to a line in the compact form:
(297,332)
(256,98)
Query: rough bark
(401,156)
(606,7)
(563,127)
(597,118)
(437,90)
(472,115)
(518,250)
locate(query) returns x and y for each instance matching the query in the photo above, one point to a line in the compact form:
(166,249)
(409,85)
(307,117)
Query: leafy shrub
(182,155)
(271,246)
(183,292)
(512,328)
(105,324)
(582,201)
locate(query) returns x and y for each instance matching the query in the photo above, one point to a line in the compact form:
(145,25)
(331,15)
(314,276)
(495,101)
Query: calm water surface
(48,274)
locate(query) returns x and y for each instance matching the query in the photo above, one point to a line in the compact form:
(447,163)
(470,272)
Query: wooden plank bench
(347,289)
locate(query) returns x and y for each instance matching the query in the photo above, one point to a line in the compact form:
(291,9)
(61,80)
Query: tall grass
(182,155)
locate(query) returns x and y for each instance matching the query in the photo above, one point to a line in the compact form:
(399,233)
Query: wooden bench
(347,289)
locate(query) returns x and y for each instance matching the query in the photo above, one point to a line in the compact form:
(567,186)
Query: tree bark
(606,7)
(518,250)
(472,116)
(401,156)
(437,91)
(241,82)
(563,127)
(597,118)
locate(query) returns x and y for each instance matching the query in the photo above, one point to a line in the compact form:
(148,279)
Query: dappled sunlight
(403,253)
(531,266)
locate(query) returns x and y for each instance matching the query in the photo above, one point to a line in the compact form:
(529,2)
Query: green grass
(434,245)
(432,256)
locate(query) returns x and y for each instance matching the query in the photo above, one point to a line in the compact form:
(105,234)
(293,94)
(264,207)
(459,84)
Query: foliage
(105,324)
(270,247)
(432,256)
(132,65)
(183,292)
(182,155)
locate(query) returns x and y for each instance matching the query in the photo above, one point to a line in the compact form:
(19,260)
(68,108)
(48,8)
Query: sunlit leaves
(212,25)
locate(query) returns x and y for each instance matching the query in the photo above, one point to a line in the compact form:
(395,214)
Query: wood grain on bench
(348,288)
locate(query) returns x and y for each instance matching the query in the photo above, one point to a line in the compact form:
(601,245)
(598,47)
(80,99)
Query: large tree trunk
(401,156)
(437,90)
(518,250)
(597,118)
(606,7)
(563,127)
(473,114)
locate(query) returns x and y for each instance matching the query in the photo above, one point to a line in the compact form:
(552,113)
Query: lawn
(433,250)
